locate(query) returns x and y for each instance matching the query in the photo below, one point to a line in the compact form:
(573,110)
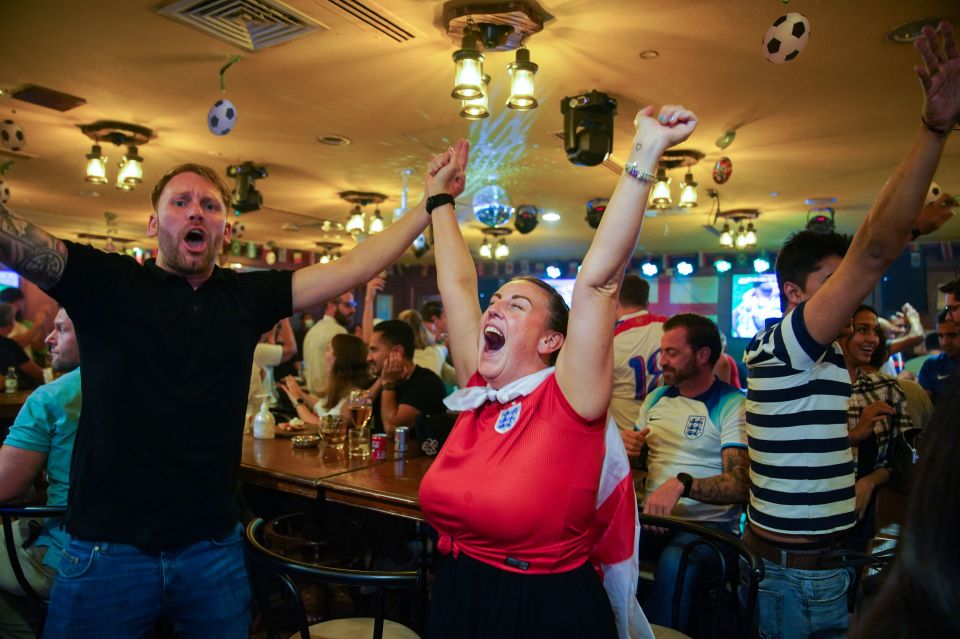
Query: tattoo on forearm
(31,251)
(730,487)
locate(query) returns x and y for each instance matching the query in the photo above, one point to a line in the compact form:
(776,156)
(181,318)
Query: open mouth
(493,339)
(195,240)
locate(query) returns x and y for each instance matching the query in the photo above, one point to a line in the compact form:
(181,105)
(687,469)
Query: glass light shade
(468,80)
(376,222)
(751,235)
(355,223)
(131,170)
(121,183)
(96,166)
(325,258)
(661,191)
(688,193)
(741,241)
(502,250)
(726,238)
(521,82)
(485,251)
(479,107)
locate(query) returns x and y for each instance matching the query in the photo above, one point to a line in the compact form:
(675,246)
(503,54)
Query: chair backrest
(8,513)
(268,566)
(724,546)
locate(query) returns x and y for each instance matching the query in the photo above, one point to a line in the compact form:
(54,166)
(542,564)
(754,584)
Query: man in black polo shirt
(151,504)
(403,390)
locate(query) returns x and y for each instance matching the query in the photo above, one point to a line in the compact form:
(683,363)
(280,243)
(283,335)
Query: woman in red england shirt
(513,493)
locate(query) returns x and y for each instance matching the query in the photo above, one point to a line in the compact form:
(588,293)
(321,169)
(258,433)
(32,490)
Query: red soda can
(378,447)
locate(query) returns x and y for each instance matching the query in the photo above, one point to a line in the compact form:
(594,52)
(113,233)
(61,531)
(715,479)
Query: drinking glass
(358,437)
(333,430)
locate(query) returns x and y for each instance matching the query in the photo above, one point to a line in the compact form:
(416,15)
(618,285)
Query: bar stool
(272,578)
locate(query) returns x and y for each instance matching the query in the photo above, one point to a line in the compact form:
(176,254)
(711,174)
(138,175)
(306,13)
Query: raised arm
(456,273)
(374,286)
(31,251)
(587,351)
(887,228)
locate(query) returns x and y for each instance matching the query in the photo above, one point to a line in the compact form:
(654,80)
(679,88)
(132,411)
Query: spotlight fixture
(489,250)
(521,73)
(684,268)
(761,265)
(722,265)
(119,134)
(821,220)
(468,80)
(96,166)
(479,107)
(649,269)
(550,216)
(245,197)
(553,271)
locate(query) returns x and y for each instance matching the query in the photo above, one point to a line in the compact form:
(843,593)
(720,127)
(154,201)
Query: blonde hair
(421,336)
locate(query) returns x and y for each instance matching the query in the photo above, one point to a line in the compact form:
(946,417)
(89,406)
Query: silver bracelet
(635,171)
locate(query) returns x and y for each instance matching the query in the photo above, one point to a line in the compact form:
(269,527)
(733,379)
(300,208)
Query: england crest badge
(507,418)
(694,426)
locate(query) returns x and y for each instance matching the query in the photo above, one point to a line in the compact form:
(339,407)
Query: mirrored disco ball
(491,206)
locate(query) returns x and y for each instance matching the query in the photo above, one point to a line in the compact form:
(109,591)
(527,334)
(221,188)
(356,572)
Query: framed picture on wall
(384,308)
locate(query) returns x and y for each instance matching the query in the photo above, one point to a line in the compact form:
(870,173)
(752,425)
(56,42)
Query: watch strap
(687,482)
(439,200)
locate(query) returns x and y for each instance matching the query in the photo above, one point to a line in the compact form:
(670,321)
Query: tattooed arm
(31,251)
(732,486)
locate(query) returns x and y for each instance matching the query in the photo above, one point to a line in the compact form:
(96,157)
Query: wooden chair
(272,578)
(9,513)
(725,547)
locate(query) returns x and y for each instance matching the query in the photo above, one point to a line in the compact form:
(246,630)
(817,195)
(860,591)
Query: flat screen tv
(9,279)
(754,298)
(564,287)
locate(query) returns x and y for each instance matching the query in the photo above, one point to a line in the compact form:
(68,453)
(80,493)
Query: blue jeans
(793,602)
(115,591)
(702,564)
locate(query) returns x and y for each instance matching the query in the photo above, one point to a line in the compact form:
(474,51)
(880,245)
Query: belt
(789,557)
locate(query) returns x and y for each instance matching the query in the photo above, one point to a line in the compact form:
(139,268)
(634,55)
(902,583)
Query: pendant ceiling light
(118,134)
(502,250)
(96,166)
(355,223)
(485,251)
(726,237)
(468,81)
(688,192)
(376,222)
(477,108)
(521,73)
(660,197)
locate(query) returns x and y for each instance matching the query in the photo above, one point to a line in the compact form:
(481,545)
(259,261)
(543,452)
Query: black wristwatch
(300,401)
(687,482)
(439,200)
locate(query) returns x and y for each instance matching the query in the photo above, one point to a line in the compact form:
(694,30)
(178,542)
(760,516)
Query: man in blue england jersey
(697,465)
(802,496)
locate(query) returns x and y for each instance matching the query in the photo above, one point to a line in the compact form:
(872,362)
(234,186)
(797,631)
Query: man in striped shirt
(802,495)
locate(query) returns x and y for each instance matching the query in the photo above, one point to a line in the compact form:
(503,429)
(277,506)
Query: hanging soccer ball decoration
(222,117)
(11,135)
(785,38)
(526,219)
(491,206)
(4,192)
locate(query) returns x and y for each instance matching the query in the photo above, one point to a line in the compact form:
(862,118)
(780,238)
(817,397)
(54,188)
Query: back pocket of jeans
(76,560)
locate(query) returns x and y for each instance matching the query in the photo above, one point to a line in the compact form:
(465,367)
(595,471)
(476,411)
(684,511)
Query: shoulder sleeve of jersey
(732,419)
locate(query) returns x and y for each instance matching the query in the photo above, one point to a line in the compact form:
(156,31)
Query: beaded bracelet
(636,172)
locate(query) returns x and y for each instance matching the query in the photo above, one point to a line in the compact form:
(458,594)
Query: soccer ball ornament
(12,135)
(222,117)
(4,192)
(785,38)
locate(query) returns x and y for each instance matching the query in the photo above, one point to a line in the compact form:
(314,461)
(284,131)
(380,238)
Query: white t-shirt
(688,435)
(315,351)
(636,369)
(324,412)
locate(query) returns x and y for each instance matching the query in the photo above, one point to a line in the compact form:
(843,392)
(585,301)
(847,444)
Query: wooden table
(10,403)
(390,487)
(276,464)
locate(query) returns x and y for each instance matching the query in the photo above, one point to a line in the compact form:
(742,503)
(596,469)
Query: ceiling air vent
(248,24)
(364,14)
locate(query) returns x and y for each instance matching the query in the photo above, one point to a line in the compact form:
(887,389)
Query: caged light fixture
(489,28)
(130,166)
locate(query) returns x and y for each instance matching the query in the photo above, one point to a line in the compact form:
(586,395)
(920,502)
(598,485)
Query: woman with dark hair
(346,361)
(516,493)
(921,593)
